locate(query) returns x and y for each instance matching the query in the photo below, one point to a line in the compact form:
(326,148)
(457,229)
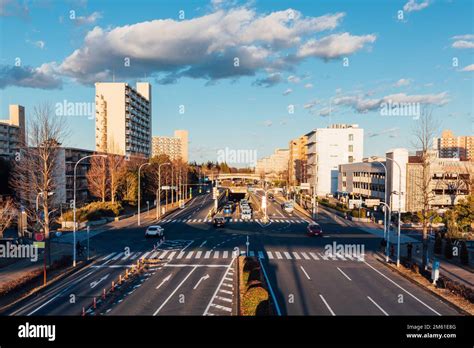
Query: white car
(154,231)
(246,214)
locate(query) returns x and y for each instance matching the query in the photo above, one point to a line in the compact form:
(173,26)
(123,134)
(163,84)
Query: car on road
(314,229)
(288,207)
(219,221)
(246,214)
(154,231)
(227,209)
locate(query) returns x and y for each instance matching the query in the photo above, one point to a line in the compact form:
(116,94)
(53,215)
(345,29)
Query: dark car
(219,222)
(314,229)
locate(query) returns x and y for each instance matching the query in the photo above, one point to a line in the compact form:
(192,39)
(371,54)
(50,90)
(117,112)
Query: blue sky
(290,53)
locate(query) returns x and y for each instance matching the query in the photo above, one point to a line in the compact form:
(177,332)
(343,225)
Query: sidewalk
(448,269)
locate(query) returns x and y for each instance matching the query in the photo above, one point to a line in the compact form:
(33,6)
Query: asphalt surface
(196,275)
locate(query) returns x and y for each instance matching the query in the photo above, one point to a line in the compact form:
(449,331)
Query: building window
(351,159)
(351,148)
(351,137)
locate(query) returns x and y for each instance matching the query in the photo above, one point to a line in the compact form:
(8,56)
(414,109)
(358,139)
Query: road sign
(39,245)
(39,237)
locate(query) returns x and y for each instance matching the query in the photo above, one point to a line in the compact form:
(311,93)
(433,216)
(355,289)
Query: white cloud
(269,81)
(464,37)
(362,105)
(88,20)
(308,85)
(402,82)
(463,44)
(468,68)
(288,91)
(44,77)
(293,79)
(413,5)
(334,46)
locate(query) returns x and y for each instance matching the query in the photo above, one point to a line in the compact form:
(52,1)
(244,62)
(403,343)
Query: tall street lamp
(385,201)
(139,168)
(399,192)
(158,191)
(74,206)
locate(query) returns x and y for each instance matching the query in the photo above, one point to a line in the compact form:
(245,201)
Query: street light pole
(74,207)
(139,168)
(399,206)
(158,192)
(386,206)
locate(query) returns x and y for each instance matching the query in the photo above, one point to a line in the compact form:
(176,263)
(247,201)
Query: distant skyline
(230,72)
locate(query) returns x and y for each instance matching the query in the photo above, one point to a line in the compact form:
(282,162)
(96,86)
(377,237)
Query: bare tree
(97,178)
(7,214)
(424,132)
(36,172)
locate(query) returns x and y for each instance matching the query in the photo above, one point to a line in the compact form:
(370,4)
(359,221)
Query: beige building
(451,146)
(450,181)
(123,118)
(297,161)
(175,147)
(12,131)
(363,179)
(277,163)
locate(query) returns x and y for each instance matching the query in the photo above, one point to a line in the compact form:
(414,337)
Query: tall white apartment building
(12,131)
(174,147)
(123,118)
(276,163)
(327,148)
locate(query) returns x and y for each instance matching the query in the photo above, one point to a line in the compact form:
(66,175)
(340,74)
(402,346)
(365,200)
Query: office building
(327,148)
(276,163)
(364,179)
(123,118)
(297,161)
(12,131)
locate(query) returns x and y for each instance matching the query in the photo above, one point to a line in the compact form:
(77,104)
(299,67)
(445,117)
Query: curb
(444,300)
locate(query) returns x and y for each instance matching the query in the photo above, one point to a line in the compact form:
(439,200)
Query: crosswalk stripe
(295,254)
(164,254)
(313,255)
(323,256)
(225,254)
(107,257)
(278,255)
(216,254)
(225,299)
(287,221)
(305,256)
(227,309)
(226,291)
(180,255)
(145,255)
(170,256)
(152,256)
(119,255)
(208,253)
(198,254)
(260,255)
(269,254)
(230,220)
(135,256)
(194,220)
(341,257)
(287,255)
(190,254)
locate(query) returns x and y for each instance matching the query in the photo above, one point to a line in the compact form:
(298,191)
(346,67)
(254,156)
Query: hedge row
(255,298)
(94,211)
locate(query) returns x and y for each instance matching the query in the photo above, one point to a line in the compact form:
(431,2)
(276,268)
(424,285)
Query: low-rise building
(175,147)
(364,179)
(12,131)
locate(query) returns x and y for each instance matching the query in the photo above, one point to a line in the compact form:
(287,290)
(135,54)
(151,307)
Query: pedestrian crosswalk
(169,255)
(205,220)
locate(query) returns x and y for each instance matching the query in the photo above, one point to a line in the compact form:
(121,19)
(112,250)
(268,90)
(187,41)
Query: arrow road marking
(200,280)
(94,284)
(164,281)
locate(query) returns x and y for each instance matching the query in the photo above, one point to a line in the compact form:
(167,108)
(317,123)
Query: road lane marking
(277,307)
(180,255)
(345,275)
(190,254)
(170,256)
(127,256)
(306,274)
(198,254)
(314,256)
(174,291)
(295,254)
(260,255)
(217,289)
(119,255)
(269,254)
(226,291)
(287,255)
(208,253)
(216,254)
(225,254)
(202,244)
(277,253)
(375,303)
(327,305)
(155,254)
(398,286)
(163,281)
(324,257)
(145,255)
(164,254)
(225,299)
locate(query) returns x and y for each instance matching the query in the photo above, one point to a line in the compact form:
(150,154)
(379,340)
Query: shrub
(95,211)
(252,300)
